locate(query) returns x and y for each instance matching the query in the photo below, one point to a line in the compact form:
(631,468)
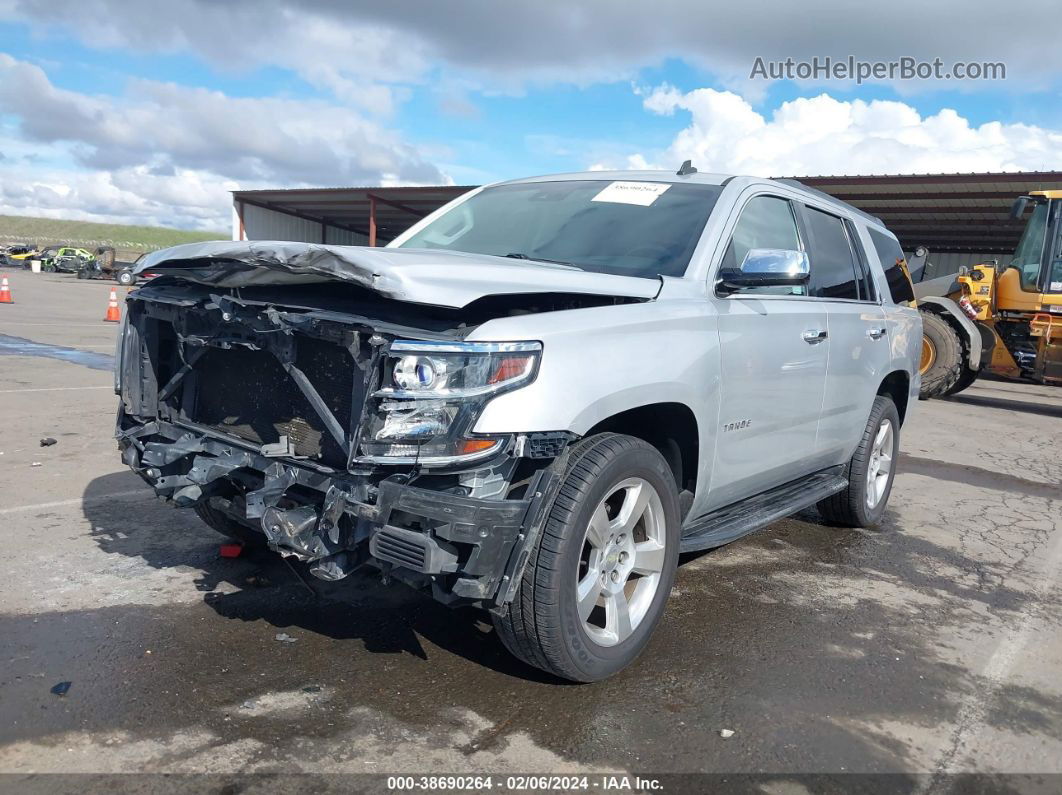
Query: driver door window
(765,222)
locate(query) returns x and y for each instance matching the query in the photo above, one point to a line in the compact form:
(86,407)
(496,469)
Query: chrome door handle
(814,336)
(875,333)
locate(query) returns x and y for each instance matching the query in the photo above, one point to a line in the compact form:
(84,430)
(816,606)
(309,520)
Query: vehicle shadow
(260,585)
(805,639)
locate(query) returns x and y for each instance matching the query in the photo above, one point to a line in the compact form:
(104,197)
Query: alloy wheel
(621,561)
(879,466)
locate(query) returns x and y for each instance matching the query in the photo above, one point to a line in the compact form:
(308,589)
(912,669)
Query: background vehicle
(64,259)
(18,254)
(105,266)
(534,399)
(1003,319)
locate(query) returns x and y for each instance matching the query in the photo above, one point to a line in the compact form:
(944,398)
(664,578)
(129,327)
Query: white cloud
(823,136)
(363,49)
(170,153)
(186,200)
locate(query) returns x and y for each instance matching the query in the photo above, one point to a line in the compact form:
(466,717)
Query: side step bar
(741,518)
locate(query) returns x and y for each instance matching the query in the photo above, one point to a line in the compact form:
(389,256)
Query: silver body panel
(729,359)
(770,406)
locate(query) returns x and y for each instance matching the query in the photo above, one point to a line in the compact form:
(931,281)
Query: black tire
(849,508)
(543,627)
(946,364)
(966,377)
(125,277)
(83,273)
(230,528)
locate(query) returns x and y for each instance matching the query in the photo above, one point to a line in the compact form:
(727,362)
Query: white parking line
(51,389)
(972,713)
(41,506)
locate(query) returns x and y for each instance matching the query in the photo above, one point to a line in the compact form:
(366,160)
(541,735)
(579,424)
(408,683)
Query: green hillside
(85,234)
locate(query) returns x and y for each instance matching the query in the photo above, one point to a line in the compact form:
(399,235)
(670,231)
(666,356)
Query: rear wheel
(870,472)
(600,574)
(941,362)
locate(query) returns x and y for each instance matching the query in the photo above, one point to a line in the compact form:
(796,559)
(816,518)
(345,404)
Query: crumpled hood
(422,276)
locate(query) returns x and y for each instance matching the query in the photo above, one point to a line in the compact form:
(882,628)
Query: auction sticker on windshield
(642,193)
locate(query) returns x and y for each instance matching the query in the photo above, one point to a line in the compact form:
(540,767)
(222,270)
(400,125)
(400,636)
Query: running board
(752,514)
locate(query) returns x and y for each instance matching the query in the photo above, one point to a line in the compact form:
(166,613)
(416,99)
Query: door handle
(814,336)
(875,333)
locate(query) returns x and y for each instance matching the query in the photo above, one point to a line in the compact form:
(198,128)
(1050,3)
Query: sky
(151,111)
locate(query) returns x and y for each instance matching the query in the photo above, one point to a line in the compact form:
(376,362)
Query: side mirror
(1018,207)
(768,267)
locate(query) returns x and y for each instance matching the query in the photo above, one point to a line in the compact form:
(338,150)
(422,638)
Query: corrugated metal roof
(945,212)
(348,208)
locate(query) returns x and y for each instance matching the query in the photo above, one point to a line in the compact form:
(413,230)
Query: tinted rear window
(894,265)
(833,267)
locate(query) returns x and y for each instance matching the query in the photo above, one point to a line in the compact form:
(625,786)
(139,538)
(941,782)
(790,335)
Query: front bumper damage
(465,550)
(440,531)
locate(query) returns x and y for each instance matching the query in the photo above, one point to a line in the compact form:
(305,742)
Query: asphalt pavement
(927,647)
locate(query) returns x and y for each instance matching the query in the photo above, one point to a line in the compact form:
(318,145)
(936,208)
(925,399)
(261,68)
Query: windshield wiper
(518,255)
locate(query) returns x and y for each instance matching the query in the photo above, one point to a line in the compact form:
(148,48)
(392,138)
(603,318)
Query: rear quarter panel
(904,324)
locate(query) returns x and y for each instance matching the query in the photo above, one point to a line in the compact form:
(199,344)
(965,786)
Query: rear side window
(894,265)
(833,263)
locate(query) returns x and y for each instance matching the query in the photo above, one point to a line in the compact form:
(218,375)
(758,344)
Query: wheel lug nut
(615,576)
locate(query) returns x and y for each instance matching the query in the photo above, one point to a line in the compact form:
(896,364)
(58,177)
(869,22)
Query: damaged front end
(340,425)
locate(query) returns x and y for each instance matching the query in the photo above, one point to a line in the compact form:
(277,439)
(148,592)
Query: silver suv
(534,399)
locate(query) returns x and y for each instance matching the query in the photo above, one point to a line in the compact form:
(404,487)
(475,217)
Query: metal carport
(964,217)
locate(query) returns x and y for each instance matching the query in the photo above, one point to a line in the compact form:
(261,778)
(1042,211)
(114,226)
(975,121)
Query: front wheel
(126,278)
(601,571)
(870,472)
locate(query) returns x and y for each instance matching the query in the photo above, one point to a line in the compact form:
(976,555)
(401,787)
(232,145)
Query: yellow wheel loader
(1005,319)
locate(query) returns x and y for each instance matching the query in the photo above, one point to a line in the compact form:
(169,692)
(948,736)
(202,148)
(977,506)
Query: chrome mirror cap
(766,267)
(776,262)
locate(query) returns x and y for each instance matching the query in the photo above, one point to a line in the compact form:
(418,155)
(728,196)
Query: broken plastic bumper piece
(464,549)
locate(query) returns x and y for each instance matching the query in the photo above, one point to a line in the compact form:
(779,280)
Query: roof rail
(796,183)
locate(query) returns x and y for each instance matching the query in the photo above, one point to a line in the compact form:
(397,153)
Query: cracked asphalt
(927,647)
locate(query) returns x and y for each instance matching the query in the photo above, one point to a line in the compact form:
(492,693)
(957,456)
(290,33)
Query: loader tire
(941,364)
(966,378)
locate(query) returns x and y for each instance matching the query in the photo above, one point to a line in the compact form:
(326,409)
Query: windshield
(631,228)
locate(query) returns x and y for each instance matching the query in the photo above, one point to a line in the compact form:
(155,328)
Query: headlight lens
(431,395)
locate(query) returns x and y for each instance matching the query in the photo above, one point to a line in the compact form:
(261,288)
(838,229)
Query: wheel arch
(896,386)
(670,427)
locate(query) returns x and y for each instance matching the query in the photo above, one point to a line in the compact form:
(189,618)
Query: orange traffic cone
(5,292)
(113,315)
